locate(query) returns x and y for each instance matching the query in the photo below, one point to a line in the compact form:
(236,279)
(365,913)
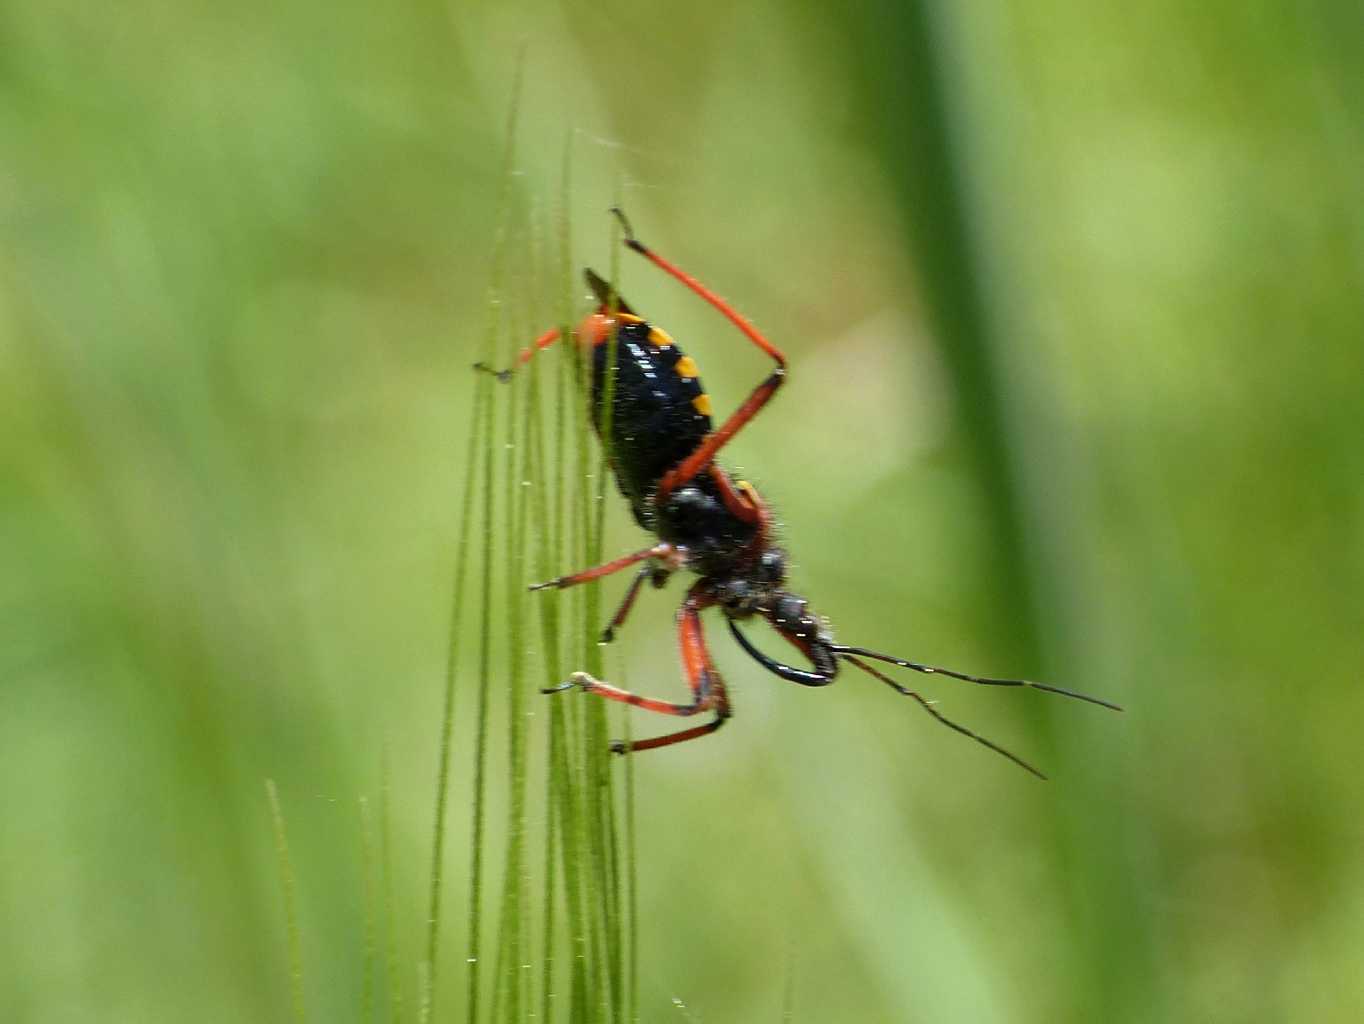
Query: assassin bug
(662,450)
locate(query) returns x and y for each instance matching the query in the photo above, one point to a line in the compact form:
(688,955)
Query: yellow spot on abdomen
(686,367)
(701,403)
(659,338)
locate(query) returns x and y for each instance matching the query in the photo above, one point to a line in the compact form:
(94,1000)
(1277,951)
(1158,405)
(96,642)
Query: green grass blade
(395,987)
(369,968)
(926,150)
(631,881)
(287,884)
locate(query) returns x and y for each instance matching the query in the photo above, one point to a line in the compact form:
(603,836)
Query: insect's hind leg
(709,692)
(708,689)
(635,746)
(705,453)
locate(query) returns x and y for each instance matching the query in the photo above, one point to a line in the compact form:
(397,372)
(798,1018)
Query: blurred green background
(1074,299)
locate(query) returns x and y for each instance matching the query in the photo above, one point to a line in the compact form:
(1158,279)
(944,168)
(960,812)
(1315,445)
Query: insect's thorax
(696,517)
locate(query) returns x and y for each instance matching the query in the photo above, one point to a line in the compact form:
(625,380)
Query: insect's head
(789,614)
(755,588)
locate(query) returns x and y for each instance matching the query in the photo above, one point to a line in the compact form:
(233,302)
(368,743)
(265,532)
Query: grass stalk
(461,568)
(480,768)
(481,416)
(510,988)
(531,526)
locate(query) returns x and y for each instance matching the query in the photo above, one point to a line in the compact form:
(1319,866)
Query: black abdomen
(660,413)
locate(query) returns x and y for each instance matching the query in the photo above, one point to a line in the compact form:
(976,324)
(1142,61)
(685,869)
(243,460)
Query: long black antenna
(847,654)
(932,670)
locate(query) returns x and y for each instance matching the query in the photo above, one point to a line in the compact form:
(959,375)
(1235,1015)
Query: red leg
(726,310)
(665,551)
(738,499)
(705,453)
(698,460)
(634,747)
(708,689)
(544,341)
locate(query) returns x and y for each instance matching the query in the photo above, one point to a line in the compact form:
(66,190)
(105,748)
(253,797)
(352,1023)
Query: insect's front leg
(668,553)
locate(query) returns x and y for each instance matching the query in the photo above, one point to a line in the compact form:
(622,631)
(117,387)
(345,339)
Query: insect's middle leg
(656,574)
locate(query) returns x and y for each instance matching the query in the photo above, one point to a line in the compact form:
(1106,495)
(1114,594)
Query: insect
(662,447)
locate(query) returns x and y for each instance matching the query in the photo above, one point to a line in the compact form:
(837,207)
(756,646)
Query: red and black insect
(662,449)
